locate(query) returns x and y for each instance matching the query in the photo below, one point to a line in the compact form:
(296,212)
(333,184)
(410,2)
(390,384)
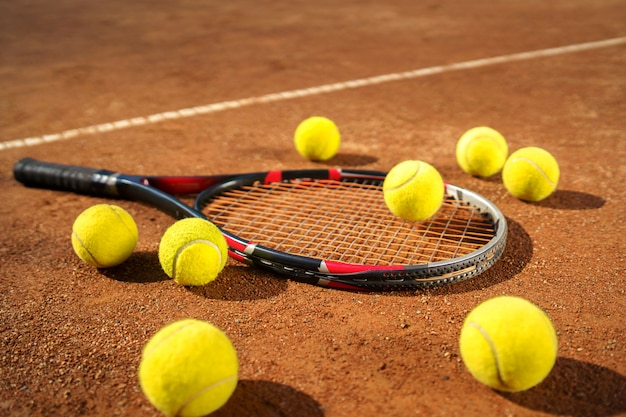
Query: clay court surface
(74,75)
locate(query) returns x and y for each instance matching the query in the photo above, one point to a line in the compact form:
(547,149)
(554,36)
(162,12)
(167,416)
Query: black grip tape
(82,180)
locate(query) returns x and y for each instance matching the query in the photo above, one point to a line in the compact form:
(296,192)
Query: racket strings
(346,221)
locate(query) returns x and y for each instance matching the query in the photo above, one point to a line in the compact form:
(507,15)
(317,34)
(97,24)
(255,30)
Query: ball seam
(77,237)
(201,391)
(409,180)
(191,243)
(537,167)
(117,214)
(494,352)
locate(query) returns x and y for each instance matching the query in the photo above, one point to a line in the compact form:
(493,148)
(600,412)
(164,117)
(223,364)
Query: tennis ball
(317,138)
(189,368)
(481,151)
(508,343)
(413,190)
(531,174)
(104,235)
(193,251)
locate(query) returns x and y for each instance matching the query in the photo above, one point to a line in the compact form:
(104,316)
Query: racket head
(333,226)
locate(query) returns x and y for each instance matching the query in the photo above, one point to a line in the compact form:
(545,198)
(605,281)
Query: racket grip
(82,180)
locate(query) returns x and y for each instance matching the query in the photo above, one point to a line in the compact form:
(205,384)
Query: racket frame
(375,277)
(156,191)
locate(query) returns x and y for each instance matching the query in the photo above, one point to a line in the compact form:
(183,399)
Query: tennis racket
(328,227)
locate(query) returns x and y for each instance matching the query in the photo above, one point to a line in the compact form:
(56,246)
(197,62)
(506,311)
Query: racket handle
(82,180)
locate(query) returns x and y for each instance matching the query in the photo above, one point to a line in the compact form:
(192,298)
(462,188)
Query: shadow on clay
(141,267)
(516,255)
(561,199)
(238,283)
(343,159)
(268,399)
(576,388)
(235,283)
(572,200)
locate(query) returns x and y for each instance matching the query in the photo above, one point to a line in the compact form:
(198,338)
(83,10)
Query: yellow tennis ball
(413,190)
(193,251)
(531,174)
(189,368)
(508,344)
(481,151)
(317,138)
(104,235)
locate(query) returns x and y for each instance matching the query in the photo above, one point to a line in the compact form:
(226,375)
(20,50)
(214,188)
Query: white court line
(286,95)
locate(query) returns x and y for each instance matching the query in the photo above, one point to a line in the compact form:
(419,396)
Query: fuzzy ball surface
(193,251)
(508,344)
(413,190)
(531,174)
(317,138)
(104,235)
(189,368)
(482,151)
